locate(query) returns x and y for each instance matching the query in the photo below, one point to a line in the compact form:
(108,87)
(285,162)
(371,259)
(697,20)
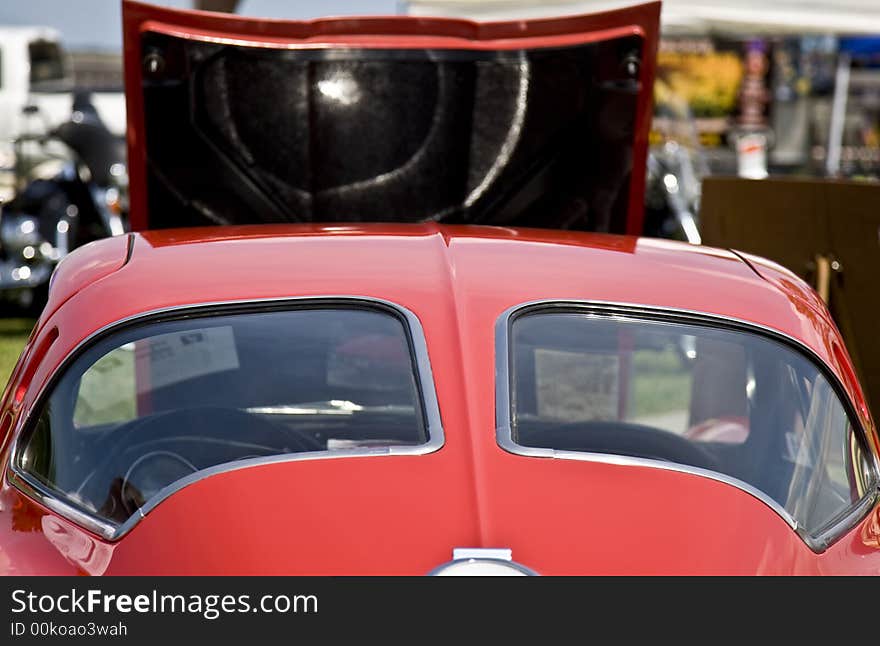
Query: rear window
(47,64)
(154,404)
(728,401)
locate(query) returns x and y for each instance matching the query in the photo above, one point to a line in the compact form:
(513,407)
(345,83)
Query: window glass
(153,404)
(107,390)
(47,63)
(728,401)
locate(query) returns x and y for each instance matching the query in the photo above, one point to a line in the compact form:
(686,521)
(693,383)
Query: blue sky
(96,23)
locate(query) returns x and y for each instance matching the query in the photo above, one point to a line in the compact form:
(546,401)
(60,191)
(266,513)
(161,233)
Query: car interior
(175,398)
(726,401)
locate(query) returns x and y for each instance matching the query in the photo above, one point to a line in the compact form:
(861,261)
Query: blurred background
(747,88)
(802,74)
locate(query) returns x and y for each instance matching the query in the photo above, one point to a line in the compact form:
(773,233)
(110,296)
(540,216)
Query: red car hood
(528,123)
(404,515)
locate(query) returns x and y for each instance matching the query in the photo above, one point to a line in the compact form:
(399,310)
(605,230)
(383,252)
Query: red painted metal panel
(404,514)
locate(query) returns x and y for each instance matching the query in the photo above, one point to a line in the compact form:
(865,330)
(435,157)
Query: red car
(402,375)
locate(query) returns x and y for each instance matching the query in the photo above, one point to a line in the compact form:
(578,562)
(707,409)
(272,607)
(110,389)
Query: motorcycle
(676,167)
(84,199)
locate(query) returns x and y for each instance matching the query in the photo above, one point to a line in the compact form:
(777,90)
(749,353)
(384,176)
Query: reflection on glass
(728,401)
(151,405)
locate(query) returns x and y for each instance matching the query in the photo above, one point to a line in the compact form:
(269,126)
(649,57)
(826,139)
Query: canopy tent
(752,16)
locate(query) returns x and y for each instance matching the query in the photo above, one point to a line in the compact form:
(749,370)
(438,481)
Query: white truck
(36,93)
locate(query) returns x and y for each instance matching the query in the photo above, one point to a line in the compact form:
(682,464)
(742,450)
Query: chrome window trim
(53,500)
(505,563)
(500,556)
(817,541)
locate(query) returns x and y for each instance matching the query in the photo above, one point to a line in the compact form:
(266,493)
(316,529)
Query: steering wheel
(144,478)
(621,438)
(151,439)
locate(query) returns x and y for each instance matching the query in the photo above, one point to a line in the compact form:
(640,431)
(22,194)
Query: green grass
(661,384)
(107,390)
(13,335)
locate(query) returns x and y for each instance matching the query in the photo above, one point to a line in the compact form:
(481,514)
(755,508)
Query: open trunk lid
(237,120)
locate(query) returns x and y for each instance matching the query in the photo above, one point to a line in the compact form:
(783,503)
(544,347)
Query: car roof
(162,268)
(173,267)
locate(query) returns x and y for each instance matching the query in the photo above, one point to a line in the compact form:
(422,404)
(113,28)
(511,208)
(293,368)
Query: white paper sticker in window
(577,386)
(179,356)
